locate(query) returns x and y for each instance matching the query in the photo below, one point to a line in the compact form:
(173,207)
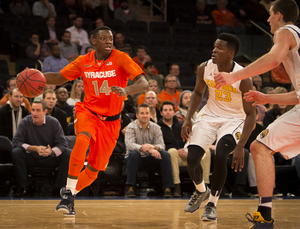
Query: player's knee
(256,148)
(81,146)
(92,174)
(195,154)
(224,147)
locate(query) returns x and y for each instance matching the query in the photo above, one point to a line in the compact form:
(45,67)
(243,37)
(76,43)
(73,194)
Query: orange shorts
(104,135)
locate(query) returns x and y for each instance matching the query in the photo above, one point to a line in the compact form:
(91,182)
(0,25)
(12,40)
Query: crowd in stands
(65,33)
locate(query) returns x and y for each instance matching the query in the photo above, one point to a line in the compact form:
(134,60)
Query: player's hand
(182,153)
(186,130)
(256,97)
(238,158)
(118,90)
(154,153)
(223,78)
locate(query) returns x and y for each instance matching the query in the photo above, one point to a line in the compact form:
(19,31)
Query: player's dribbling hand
(186,130)
(256,97)
(223,78)
(238,158)
(118,90)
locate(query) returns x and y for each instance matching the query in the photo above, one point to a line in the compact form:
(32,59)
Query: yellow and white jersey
(225,102)
(292,60)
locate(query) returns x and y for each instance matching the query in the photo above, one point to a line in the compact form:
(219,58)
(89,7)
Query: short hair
(34,33)
(87,48)
(54,46)
(169,76)
(48,91)
(141,47)
(171,65)
(66,31)
(14,89)
(288,9)
(96,31)
(152,81)
(266,90)
(142,105)
(232,41)
(279,90)
(78,16)
(60,88)
(148,64)
(167,102)
(8,81)
(41,102)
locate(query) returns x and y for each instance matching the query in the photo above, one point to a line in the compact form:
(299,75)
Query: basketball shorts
(209,129)
(104,135)
(283,135)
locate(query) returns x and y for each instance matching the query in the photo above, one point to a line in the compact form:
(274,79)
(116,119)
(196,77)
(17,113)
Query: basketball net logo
(264,133)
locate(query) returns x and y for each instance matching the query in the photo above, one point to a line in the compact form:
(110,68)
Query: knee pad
(195,154)
(91,174)
(225,145)
(81,146)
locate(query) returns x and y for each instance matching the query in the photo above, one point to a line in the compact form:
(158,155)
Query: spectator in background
(68,50)
(151,100)
(175,70)
(48,87)
(268,90)
(257,82)
(19,8)
(11,83)
(142,57)
(67,8)
(145,148)
(226,21)
(78,35)
(50,34)
(203,16)
(39,142)
(153,86)
(99,22)
(104,11)
(85,46)
(62,96)
(43,8)
(184,102)
(170,93)
(149,69)
(124,13)
(120,45)
(85,9)
(89,49)
(55,62)
(49,97)
(76,92)
(36,50)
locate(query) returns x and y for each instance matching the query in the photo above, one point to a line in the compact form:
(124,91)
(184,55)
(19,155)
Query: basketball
(31,82)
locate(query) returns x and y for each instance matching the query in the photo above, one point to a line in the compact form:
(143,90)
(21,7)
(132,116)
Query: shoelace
(250,218)
(194,198)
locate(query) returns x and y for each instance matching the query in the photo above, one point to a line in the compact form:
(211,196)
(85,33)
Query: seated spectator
(67,8)
(55,62)
(203,16)
(268,90)
(19,8)
(120,45)
(257,82)
(11,83)
(10,116)
(124,13)
(62,96)
(151,100)
(68,50)
(145,149)
(48,87)
(50,35)
(89,49)
(142,57)
(36,50)
(76,91)
(39,142)
(99,22)
(170,93)
(184,102)
(43,8)
(152,87)
(85,9)
(85,46)
(149,69)
(49,98)
(78,35)
(260,111)
(226,21)
(104,11)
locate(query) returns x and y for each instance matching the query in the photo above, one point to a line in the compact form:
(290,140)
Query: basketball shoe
(259,222)
(196,199)
(66,205)
(210,212)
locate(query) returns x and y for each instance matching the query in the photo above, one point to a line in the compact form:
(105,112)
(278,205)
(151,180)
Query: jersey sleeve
(128,67)
(73,70)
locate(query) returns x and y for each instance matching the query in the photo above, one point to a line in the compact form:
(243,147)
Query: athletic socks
(265,207)
(200,187)
(71,185)
(214,196)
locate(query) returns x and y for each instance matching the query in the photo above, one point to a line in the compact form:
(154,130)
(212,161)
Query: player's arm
(249,125)
(55,78)
(290,98)
(283,42)
(196,99)
(139,85)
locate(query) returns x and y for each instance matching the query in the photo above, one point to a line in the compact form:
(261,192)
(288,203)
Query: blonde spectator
(153,86)
(76,91)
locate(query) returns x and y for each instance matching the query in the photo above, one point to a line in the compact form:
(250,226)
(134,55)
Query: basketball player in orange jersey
(283,135)
(105,73)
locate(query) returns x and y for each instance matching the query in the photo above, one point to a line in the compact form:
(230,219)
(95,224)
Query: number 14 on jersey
(103,89)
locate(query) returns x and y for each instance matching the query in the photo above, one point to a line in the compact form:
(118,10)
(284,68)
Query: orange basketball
(31,82)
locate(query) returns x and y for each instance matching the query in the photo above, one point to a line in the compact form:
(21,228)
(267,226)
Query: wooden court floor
(140,214)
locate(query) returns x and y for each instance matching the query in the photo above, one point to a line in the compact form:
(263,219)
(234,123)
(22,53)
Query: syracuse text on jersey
(100,74)
(229,88)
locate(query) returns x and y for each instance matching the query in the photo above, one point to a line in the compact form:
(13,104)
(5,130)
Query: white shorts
(208,128)
(283,135)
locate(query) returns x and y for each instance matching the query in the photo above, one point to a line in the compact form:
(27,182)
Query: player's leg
(224,147)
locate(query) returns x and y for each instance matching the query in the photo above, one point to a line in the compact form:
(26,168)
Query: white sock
(213,199)
(200,187)
(71,184)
